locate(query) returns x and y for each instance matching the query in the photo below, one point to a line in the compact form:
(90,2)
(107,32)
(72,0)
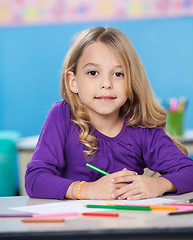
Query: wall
(31,60)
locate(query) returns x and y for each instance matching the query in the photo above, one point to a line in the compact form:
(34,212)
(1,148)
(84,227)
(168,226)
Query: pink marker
(173,105)
(178,207)
(184,208)
(66,214)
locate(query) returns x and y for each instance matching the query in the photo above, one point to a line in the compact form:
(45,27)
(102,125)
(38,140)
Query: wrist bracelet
(73,185)
(79,188)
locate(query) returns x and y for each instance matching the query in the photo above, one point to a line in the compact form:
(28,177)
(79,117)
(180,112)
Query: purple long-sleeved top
(58,159)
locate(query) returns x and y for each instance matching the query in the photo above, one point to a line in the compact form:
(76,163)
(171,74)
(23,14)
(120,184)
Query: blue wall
(31,60)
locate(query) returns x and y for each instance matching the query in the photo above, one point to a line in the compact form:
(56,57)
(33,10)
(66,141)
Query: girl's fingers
(124,192)
(137,196)
(118,186)
(124,172)
(120,180)
(121,176)
(134,194)
(140,187)
(124,179)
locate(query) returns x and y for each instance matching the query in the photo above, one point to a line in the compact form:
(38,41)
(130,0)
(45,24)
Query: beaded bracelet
(79,188)
(73,185)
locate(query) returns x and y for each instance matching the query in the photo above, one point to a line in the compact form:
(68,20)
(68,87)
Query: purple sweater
(58,159)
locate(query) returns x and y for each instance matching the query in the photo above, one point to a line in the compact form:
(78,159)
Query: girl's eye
(119,74)
(93,73)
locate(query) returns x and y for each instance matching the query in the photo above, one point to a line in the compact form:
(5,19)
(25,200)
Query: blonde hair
(141,107)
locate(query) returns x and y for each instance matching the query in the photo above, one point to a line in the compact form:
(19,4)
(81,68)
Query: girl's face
(99,81)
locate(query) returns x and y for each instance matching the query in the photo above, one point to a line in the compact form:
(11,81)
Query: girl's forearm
(78,190)
(166,185)
(72,191)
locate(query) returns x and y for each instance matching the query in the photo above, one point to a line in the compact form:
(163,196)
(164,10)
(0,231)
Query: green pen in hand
(96,169)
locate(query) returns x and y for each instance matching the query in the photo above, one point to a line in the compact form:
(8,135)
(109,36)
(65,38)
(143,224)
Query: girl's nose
(106,83)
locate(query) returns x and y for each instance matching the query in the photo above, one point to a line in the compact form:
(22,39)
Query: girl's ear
(72,82)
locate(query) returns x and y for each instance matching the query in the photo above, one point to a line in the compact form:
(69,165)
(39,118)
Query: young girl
(110,118)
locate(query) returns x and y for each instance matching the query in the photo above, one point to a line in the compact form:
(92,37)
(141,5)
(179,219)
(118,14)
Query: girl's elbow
(29,186)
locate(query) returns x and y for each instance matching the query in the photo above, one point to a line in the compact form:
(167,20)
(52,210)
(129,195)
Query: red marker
(96,214)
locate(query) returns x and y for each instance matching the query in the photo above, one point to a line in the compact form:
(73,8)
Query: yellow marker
(182,104)
(162,208)
(153,207)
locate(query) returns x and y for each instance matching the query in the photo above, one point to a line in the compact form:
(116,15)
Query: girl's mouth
(105,98)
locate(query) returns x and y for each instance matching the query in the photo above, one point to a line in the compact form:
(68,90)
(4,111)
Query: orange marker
(162,207)
(182,204)
(43,220)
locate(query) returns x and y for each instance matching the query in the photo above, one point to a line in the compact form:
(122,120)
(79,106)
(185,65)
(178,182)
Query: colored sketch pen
(43,220)
(15,215)
(180,213)
(190,200)
(100,214)
(120,207)
(97,169)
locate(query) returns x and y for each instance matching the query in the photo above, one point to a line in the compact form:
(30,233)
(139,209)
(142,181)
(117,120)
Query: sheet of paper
(79,205)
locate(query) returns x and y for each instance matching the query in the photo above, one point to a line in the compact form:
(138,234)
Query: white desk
(187,141)
(129,225)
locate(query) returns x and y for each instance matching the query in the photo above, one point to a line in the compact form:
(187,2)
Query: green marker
(119,207)
(97,169)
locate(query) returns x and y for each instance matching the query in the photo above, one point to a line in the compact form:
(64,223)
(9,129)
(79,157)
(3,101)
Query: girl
(109,117)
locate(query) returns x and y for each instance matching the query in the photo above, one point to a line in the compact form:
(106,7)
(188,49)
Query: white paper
(79,206)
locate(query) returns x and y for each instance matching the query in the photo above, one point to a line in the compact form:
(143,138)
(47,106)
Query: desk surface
(130,224)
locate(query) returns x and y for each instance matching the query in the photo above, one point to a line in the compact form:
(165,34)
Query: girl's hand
(141,186)
(104,187)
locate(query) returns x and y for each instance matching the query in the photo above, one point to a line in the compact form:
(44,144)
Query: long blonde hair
(141,107)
